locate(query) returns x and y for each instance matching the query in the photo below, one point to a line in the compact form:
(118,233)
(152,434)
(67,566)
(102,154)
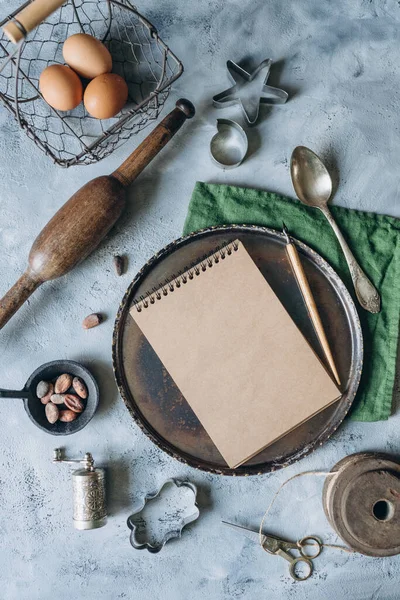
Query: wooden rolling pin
(82,222)
(29,17)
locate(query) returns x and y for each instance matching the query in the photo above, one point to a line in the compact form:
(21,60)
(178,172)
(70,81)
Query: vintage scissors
(275,545)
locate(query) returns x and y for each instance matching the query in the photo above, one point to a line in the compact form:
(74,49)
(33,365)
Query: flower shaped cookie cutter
(188,516)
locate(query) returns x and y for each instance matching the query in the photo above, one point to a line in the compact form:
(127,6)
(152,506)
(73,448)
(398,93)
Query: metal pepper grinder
(89,492)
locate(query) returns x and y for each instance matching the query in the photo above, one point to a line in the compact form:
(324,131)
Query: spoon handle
(366,293)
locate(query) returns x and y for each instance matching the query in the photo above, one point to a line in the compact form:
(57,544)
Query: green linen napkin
(375,241)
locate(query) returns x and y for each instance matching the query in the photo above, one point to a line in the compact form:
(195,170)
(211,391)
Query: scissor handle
(293,565)
(305,542)
(294,562)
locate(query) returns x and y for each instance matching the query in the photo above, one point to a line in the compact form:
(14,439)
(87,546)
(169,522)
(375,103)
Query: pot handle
(22,394)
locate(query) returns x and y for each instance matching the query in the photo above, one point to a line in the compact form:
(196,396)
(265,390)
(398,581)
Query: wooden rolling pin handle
(151,146)
(29,18)
(85,219)
(16,296)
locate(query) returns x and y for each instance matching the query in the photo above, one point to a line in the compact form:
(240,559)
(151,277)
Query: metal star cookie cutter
(249,91)
(186,518)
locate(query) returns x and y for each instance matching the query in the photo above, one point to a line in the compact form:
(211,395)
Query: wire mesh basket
(139,56)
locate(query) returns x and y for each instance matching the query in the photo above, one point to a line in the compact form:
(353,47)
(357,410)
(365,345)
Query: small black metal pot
(36,410)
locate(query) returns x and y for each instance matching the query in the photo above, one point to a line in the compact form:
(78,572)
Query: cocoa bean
(57,398)
(119,265)
(66,416)
(73,403)
(42,389)
(52,412)
(79,387)
(92,320)
(46,399)
(63,383)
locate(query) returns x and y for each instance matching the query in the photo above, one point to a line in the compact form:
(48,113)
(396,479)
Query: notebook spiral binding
(176,282)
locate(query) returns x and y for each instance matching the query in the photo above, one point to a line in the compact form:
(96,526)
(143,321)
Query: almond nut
(57,398)
(51,413)
(79,387)
(42,389)
(66,416)
(92,320)
(73,403)
(63,383)
(46,399)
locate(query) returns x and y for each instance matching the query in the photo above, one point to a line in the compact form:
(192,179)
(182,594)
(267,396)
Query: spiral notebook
(234,353)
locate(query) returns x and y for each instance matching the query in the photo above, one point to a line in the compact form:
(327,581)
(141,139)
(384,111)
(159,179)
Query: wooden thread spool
(362,503)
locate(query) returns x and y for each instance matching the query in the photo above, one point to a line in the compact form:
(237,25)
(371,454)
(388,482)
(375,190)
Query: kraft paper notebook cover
(235,354)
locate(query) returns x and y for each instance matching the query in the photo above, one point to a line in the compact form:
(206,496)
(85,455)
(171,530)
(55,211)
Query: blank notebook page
(236,356)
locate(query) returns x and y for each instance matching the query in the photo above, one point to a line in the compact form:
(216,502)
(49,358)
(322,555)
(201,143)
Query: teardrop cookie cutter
(249,105)
(228,147)
(173,533)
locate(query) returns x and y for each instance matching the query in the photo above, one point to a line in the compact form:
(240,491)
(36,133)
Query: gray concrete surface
(340,63)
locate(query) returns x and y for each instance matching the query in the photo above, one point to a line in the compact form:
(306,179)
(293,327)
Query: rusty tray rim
(243,471)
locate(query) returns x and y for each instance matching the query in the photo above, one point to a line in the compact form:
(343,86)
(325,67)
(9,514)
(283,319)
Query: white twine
(332,474)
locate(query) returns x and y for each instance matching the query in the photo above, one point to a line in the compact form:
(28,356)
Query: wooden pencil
(309,301)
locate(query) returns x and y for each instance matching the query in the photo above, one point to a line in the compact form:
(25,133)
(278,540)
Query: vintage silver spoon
(313,186)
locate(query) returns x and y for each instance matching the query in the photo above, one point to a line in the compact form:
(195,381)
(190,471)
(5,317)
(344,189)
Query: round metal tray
(155,402)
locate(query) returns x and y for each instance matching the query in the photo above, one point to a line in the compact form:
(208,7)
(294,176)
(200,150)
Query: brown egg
(87,55)
(61,87)
(105,96)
